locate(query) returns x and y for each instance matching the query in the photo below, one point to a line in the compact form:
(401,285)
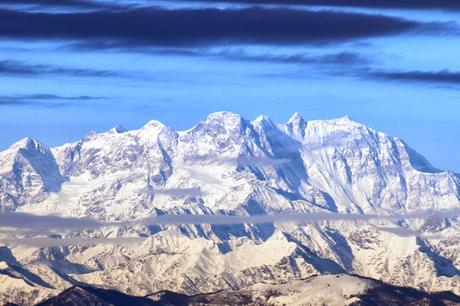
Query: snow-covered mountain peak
(262,119)
(153,124)
(295,119)
(345,119)
(28,172)
(228,120)
(264,124)
(117,129)
(219,132)
(342,123)
(26,150)
(153,132)
(343,132)
(295,127)
(223,116)
(28,143)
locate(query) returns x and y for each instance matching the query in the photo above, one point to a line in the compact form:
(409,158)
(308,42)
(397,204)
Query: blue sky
(70,67)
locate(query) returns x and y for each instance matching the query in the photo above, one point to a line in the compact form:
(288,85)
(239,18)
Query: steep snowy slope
(229,165)
(364,170)
(28,174)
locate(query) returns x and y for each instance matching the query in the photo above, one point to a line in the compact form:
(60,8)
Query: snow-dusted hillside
(229,165)
(339,289)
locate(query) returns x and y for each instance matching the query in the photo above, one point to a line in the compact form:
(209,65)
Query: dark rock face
(398,296)
(77,296)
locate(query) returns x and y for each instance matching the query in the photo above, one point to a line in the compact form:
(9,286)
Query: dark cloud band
(158,27)
(407,4)
(443,76)
(72,4)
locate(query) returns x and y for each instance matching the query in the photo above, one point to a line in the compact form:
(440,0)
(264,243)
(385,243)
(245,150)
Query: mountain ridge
(227,165)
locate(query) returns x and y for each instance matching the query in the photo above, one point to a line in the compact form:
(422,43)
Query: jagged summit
(28,143)
(117,129)
(224,118)
(295,127)
(263,119)
(28,149)
(263,123)
(216,129)
(295,119)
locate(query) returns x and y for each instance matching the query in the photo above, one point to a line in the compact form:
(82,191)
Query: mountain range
(227,165)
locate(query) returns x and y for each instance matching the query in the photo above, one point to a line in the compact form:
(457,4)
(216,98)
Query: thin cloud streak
(65,242)
(405,232)
(339,58)
(36,222)
(400,231)
(248,161)
(23,69)
(288,218)
(180,192)
(410,4)
(442,76)
(48,100)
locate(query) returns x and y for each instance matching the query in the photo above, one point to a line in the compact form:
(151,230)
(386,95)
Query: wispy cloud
(24,69)
(180,192)
(365,72)
(400,231)
(47,100)
(36,222)
(406,232)
(261,161)
(339,58)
